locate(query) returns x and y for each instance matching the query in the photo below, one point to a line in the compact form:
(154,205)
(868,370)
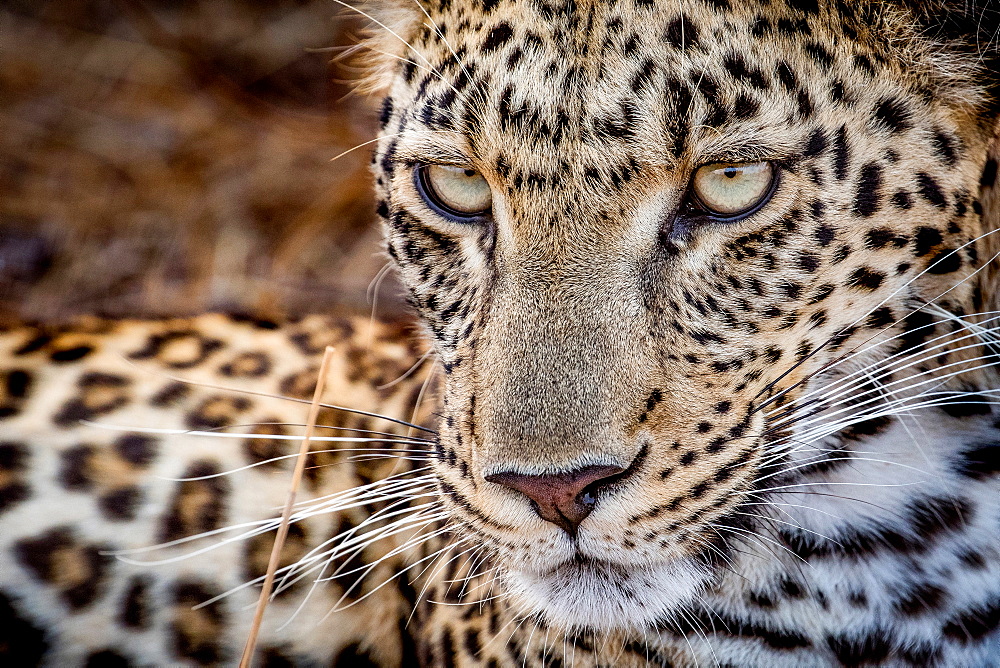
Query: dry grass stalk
(279,539)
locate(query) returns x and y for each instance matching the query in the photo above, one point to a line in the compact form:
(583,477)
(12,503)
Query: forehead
(685,77)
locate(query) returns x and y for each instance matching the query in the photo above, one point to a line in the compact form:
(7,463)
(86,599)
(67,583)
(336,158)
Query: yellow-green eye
(729,189)
(457,192)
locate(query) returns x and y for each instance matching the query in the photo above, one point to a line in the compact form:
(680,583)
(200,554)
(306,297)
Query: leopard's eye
(730,190)
(455,192)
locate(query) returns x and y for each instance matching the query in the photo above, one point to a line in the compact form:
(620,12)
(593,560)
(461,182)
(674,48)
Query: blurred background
(169,158)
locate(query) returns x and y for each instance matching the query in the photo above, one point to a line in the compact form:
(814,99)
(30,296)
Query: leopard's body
(790,410)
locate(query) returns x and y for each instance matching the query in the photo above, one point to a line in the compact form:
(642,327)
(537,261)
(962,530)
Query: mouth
(583,593)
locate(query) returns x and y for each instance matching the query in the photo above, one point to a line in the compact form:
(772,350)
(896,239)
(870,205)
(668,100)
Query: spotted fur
(799,403)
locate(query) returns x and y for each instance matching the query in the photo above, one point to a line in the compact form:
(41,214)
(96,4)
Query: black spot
(107,659)
(922,598)
(13,460)
(745,106)
(880,318)
(808,262)
(979,461)
(95,398)
(216,412)
(880,237)
(21,642)
(386,115)
(18,384)
(774,637)
(892,114)
(723,474)
(864,63)
(34,345)
(842,253)
(945,262)
(872,647)
(737,66)
(353,656)
(197,637)
(644,77)
(171,394)
(841,154)
(135,612)
(786,76)
(75,470)
(760,27)
(820,54)
(807,6)
(866,428)
(71,354)
(868,197)
(974,623)
(121,504)
(274,657)
(989,177)
(902,200)
(934,515)
(197,505)
(472,644)
(944,146)
(972,559)
(497,37)
(681,33)
(866,278)
(925,240)
(825,234)
(138,449)
(816,144)
(930,190)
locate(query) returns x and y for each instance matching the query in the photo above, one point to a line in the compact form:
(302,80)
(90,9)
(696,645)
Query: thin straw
(279,539)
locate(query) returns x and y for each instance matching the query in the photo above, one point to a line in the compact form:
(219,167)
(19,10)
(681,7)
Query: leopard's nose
(565,498)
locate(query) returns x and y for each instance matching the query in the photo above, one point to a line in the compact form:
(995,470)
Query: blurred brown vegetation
(164,158)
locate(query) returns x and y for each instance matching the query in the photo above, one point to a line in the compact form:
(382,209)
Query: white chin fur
(599,596)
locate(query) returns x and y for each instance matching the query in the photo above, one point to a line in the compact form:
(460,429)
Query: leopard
(703,372)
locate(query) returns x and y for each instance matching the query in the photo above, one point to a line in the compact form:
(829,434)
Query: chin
(590,595)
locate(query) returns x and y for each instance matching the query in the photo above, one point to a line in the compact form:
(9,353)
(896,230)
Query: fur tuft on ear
(392,25)
(970,27)
(989,199)
(974,22)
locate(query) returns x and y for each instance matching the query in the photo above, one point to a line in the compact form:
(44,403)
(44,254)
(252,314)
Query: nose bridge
(554,372)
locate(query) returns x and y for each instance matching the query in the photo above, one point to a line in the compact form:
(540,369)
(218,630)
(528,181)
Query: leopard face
(620,357)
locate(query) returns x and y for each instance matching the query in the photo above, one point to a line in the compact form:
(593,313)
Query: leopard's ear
(973,22)
(392,27)
(989,246)
(968,27)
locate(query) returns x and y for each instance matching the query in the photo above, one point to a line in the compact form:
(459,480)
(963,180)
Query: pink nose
(564,499)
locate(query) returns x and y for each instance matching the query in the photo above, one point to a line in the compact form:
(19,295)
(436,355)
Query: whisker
(880,304)
(257,393)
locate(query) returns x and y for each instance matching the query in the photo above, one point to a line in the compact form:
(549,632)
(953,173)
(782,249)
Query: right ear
(392,26)
(989,198)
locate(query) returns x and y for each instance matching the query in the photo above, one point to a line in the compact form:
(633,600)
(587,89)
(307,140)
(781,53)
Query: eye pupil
(470,173)
(731,172)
